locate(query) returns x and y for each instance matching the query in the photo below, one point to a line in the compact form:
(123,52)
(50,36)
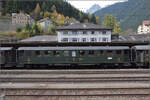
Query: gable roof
(146,22)
(83,26)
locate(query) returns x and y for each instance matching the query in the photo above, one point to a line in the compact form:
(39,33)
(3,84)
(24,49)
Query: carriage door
(142,56)
(1,57)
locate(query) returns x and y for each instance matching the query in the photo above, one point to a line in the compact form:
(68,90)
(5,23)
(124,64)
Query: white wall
(143,29)
(45,24)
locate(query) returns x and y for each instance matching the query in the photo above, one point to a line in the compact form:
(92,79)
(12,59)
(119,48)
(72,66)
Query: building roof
(142,47)
(77,48)
(41,38)
(133,37)
(83,26)
(44,19)
(146,22)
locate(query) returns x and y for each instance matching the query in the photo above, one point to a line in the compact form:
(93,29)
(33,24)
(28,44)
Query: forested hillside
(62,7)
(130,13)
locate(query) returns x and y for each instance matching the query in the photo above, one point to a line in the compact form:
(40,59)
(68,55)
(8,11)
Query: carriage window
(46,53)
(66,53)
(1,53)
(56,53)
(91,52)
(81,52)
(109,52)
(8,52)
(138,52)
(73,53)
(118,52)
(126,52)
(37,53)
(21,53)
(101,52)
(147,52)
(49,52)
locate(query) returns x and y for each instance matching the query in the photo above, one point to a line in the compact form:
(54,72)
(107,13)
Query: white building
(144,28)
(80,32)
(45,23)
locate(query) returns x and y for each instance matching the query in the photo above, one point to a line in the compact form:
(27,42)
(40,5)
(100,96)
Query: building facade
(45,23)
(144,28)
(84,33)
(21,19)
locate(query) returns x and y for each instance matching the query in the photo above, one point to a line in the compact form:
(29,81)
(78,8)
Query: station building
(81,32)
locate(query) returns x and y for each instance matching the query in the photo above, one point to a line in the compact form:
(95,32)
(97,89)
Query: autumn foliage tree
(98,21)
(111,22)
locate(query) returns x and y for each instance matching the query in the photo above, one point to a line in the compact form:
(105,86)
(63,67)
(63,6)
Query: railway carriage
(7,57)
(74,55)
(142,55)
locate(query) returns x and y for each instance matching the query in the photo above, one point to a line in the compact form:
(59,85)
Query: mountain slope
(62,7)
(93,9)
(130,13)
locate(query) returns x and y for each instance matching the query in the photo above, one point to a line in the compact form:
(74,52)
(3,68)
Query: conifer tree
(36,12)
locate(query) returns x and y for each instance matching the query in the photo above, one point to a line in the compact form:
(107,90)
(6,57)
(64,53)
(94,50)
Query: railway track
(64,91)
(87,71)
(75,76)
(24,80)
(133,84)
(83,97)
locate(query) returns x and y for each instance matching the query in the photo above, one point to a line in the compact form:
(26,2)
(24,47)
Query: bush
(18,29)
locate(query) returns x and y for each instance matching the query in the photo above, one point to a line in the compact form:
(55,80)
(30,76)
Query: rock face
(93,9)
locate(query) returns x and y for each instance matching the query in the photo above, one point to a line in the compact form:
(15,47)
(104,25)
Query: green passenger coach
(142,55)
(74,55)
(6,56)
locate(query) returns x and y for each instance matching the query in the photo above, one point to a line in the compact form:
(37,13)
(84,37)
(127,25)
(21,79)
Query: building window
(92,32)
(105,40)
(104,32)
(74,40)
(99,39)
(84,32)
(70,32)
(93,39)
(83,39)
(65,40)
(65,33)
(74,32)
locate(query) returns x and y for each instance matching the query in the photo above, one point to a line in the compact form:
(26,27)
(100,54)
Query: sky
(83,5)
